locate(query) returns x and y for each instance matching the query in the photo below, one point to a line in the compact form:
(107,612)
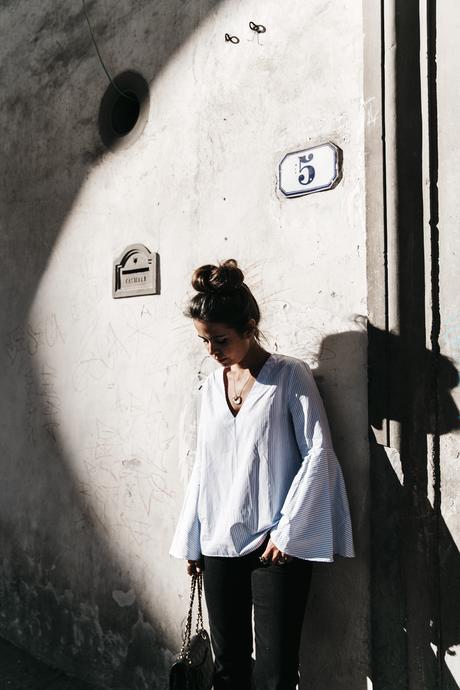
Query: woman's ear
(250,328)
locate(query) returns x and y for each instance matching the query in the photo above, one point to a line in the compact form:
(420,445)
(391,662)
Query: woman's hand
(195,567)
(272,554)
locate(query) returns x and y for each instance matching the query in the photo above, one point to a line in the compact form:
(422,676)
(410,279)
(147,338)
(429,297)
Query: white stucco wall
(449,251)
(97,392)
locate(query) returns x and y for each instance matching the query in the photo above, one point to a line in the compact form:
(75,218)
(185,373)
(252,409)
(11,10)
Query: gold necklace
(237,399)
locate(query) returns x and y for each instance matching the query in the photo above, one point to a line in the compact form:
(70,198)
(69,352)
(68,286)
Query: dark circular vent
(125,113)
(124,110)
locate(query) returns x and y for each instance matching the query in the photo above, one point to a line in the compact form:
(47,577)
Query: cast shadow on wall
(406,528)
(395,505)
(334,641)
(415,572)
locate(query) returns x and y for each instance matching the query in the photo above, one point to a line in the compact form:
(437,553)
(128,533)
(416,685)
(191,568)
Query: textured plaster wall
(449,250)
(97,397)
(413,374)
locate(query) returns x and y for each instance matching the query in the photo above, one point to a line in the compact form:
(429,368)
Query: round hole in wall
(123,112)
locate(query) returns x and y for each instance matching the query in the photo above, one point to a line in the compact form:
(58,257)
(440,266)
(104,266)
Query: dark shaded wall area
(415,622)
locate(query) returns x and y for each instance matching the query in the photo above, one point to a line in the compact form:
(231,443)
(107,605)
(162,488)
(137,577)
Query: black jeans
(279,595)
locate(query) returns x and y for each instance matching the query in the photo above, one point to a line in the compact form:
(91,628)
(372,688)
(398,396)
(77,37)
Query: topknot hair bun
(226,277)
(222,297)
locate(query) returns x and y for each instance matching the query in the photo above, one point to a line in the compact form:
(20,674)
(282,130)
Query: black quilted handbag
(193,667)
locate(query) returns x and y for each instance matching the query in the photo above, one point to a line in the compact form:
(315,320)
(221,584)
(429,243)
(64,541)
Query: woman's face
(223,343)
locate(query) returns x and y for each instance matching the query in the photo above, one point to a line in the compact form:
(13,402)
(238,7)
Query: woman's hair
(223,297)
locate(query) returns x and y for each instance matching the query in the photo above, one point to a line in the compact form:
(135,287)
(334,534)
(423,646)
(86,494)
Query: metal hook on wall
(258,28)
(232,39)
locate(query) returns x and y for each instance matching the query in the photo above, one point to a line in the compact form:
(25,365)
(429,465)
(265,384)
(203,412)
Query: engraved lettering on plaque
(136,272)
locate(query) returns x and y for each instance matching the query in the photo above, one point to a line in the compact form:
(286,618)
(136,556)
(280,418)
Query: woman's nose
(213,348)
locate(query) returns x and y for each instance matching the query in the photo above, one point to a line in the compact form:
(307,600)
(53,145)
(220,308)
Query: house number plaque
(311,170)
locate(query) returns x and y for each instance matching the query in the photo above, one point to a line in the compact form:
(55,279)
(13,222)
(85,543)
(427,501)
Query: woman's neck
(254,360)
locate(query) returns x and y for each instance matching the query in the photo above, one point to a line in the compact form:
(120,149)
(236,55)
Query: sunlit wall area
(448,111)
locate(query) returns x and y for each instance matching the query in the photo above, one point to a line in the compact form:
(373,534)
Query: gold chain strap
(196,584)
(199,618)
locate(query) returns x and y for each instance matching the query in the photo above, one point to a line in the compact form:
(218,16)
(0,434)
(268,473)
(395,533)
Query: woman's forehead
(212,329)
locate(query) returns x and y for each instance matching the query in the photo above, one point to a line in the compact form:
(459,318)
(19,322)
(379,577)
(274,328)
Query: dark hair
(223,297)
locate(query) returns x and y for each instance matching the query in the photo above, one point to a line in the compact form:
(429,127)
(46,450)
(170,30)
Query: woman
(266,496)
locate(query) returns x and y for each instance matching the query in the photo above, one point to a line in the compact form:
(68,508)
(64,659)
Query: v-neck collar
(256,383)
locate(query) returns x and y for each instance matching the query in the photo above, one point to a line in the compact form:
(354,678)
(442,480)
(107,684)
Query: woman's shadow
(414,582)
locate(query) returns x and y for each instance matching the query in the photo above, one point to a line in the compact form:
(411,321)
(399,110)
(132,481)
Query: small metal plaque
(311,170)
(135,272)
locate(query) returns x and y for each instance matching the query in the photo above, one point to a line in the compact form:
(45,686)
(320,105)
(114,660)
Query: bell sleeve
(315,518)
(186,540)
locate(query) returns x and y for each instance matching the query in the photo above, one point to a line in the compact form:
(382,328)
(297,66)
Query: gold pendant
(237,399)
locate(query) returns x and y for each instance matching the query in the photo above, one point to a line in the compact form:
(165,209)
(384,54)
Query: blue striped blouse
(271,468)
